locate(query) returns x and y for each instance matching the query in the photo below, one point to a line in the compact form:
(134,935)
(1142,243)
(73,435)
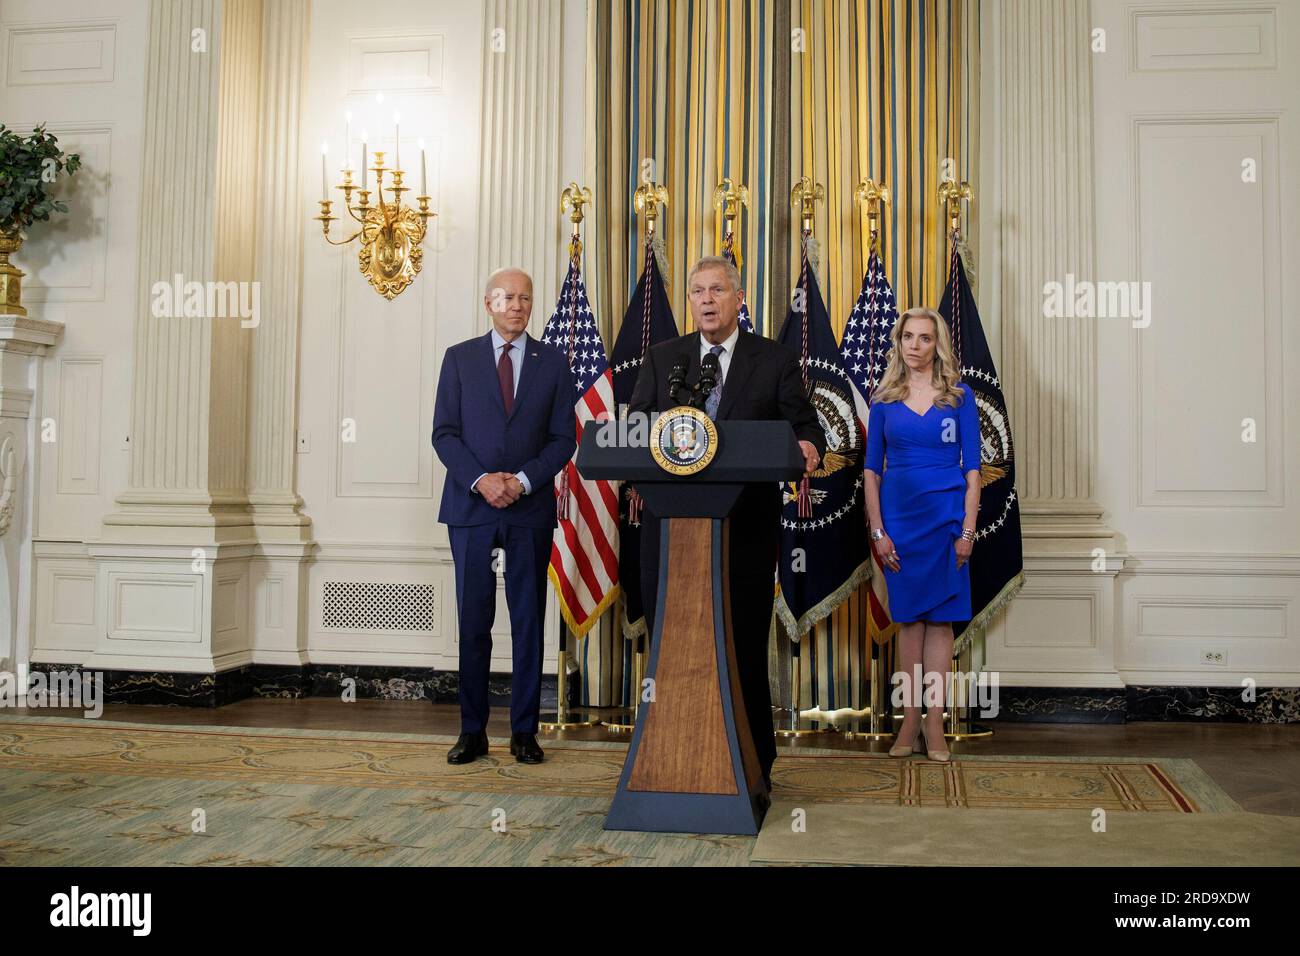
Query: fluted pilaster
(519,197)
(1038,227)
(280,211)
(197,221)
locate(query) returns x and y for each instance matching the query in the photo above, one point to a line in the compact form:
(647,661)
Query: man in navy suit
(503,425)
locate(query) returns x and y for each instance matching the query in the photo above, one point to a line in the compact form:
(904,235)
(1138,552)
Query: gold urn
(11,277)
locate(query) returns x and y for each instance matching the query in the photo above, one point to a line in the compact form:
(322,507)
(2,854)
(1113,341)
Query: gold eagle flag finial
(806,194)
(647,199)
(951,194)
(875,196)
(575,197)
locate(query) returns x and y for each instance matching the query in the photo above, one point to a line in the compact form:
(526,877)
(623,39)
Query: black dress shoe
(468,748)
(525,749)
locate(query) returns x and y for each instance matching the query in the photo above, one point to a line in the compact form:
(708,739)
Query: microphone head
(676,379)
(710,370)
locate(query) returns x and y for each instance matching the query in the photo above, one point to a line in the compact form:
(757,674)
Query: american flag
(584,549)
(746,323)
(864,350)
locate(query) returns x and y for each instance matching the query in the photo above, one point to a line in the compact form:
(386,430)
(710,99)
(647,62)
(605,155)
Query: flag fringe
(814,248)
(968,264)
(633,629)
(579,629)
(795,630)
(661,259)
(980,622)
(883,635)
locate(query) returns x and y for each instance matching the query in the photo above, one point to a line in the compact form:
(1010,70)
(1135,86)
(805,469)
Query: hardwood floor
(1257,764)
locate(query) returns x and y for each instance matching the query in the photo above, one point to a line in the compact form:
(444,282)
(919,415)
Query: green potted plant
(29,168)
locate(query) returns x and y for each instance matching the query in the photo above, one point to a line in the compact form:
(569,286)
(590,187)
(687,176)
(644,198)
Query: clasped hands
(500,489)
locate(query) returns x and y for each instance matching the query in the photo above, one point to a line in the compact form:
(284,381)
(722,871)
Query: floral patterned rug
(77,792)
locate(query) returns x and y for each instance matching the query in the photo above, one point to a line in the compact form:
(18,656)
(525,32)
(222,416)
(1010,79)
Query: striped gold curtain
(886,89)
(680,92)
(890,91)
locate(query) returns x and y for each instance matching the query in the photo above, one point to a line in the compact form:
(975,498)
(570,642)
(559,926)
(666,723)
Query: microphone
(709,372)
(676,378)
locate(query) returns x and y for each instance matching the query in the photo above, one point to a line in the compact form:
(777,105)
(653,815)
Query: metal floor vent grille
(372,606)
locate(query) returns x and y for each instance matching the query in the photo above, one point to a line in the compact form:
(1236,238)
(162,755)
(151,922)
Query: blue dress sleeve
(876,439)
(968,422)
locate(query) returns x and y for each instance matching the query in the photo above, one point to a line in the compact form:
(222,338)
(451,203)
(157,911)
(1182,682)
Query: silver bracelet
(968,534)
(877,534)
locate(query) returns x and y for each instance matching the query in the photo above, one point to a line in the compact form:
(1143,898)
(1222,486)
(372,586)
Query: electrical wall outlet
(1212,657)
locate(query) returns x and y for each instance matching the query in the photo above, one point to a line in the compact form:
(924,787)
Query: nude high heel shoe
(942,756)
(903,750)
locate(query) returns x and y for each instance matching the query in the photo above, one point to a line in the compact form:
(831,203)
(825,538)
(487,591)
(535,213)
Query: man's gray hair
(494,280)
(715,262)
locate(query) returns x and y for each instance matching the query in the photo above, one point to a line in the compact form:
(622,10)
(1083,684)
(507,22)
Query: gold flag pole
(646,200)
(789,720)
(952,194)
(873,197)
(729,197)
(574,197)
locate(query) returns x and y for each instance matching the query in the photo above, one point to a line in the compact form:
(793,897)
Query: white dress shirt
(724,357)
(516,356)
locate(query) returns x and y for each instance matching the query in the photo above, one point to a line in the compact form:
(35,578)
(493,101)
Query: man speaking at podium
(758,380)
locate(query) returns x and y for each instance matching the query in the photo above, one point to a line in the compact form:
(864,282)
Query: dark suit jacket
(763,383)
(472,433)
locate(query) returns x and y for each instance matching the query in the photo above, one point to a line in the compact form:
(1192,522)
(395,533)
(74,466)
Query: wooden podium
(691,766)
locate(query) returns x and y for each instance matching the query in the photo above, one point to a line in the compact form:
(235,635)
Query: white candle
(365,158)
(424,185)
(397,140)
(347,140)
(324,179)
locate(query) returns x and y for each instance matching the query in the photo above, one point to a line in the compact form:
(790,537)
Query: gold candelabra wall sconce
(391,233)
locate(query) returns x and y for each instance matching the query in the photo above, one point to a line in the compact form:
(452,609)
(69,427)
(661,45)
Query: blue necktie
(715,397)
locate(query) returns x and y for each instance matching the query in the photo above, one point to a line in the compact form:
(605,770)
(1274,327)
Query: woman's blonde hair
(944,374)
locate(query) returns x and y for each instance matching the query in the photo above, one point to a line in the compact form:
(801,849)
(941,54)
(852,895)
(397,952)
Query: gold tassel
(805,499)
(562,498)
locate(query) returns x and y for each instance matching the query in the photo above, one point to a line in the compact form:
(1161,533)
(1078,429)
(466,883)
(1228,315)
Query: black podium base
(691,766)
(730,814)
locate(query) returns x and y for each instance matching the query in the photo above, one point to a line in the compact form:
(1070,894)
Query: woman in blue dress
(922,497)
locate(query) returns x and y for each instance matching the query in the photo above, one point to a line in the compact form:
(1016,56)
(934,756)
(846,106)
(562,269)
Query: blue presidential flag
(824,552)
(996,564)
(648,321)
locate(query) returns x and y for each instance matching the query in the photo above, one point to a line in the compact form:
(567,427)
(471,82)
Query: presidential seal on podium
(683,440)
